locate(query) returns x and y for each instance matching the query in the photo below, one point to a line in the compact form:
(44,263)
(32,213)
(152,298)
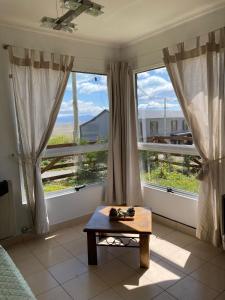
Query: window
(77,150)
(154,127)
(167,156)
(184,126)
(173,125)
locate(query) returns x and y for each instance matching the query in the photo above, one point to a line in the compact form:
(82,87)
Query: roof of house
(96,117)
(159,114)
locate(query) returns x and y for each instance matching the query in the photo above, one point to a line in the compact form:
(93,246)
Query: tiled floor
(181,267)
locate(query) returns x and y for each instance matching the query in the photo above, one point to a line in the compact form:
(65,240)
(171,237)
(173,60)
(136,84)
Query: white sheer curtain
(123,186)
(197,71)
(39,82)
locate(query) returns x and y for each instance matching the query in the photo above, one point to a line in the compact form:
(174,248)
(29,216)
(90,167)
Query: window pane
(83,119)
(160,118)
(75,170)
(84,111)
(170,170)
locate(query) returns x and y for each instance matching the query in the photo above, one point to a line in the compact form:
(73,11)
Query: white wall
(147,53)
(171,205)
(88,57)
(72,205)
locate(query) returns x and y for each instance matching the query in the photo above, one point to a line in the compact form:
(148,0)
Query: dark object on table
(4,189)
(78,187)
(120,214)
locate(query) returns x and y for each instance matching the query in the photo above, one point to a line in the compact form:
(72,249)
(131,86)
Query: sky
(153,87)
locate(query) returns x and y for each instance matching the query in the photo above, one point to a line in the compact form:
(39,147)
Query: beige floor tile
(163,248)
(132,258)
(29,266)
(77,246)
(137,287)
(19,252)
(109,294)
(162,273)
(42,244)
(102,254)
(219,260)
(161,230)
(85,286)
(67,235)
(117,251)
(114,272)
(180,239)
(211,275)
(164,296)
(55,294)
(53,256)
(67,270)
(185,261)
(203,250)
(189,288)
(41,282)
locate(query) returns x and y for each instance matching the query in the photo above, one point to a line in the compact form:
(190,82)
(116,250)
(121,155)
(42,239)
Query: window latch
(169,190)
(78,187)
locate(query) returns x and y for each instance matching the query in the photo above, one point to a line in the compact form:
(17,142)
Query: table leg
(92,248)
(144,250)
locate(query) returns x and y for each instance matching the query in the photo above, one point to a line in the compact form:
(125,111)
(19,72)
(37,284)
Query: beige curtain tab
(29,59)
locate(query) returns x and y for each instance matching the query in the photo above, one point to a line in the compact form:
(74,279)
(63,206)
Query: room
(112,135)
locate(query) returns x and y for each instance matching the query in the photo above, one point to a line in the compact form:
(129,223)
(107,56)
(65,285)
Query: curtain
(123,185)
(39,81)
(196,69)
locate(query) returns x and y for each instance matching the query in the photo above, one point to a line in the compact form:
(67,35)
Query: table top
(99,221)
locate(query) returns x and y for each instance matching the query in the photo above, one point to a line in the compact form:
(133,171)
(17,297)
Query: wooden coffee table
(99,226)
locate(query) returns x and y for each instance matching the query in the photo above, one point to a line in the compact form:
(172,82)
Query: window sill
(183,194)
(68,191)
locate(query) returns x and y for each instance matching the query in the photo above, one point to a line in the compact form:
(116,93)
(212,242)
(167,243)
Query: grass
(60,139)
(174,179)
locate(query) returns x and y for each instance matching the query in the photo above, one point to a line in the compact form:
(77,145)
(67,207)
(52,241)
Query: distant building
(160,123)
(96,128)
(150,123)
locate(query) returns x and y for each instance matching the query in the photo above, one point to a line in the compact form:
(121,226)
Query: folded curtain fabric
(197,72)
(123,185)
(39,81)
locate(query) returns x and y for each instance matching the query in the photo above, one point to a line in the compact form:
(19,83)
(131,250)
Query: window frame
(76,149)
(159,147)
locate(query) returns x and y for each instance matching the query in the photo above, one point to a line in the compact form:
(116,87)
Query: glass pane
(74,170)
(170,170)
(160,118)
(84,112)
(83,119)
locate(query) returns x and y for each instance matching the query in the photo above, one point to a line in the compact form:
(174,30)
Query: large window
(167,154)
(77,150)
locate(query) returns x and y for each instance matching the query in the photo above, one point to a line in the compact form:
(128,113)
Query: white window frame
(75,149)
(164,148)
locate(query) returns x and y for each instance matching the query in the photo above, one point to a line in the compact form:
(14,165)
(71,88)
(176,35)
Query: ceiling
(123,21)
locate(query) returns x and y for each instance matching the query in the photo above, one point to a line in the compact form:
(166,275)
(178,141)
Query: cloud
(151,85)
(88,83)
(84,107)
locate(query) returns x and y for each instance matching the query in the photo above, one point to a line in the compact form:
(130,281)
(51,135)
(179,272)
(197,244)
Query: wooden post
(144,250)
(92,248)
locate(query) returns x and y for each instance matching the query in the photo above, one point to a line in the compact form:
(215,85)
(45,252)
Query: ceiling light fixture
(75,8)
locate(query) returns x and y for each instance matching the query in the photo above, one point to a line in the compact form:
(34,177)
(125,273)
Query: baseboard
(53,228)
(174,224)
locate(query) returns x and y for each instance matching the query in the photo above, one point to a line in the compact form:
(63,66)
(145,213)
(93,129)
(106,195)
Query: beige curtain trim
(182,54)
(66,61)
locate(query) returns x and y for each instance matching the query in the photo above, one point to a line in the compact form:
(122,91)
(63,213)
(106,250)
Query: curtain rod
(5,46)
